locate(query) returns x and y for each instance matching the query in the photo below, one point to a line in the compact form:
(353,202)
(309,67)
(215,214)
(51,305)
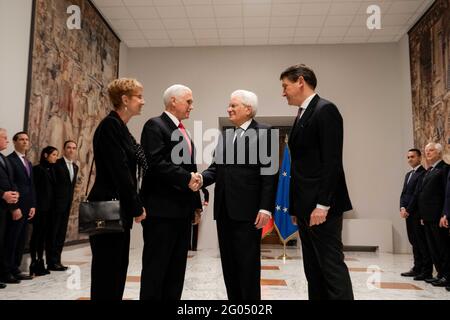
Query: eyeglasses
(139,96)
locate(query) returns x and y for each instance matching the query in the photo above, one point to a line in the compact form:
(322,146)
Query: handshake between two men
(196,181)
(195,185)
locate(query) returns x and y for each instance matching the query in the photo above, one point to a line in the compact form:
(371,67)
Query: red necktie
(183,131)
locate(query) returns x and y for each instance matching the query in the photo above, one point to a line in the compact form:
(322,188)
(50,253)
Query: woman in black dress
(116,157)
(44,180)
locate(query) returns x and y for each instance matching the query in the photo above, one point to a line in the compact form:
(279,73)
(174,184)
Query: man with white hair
(244,196)
(168,199)
(429,201)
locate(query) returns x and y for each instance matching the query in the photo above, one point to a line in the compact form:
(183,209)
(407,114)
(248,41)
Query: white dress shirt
(69,164)
(22,158)
(244,127)
(306,103)
(173,118)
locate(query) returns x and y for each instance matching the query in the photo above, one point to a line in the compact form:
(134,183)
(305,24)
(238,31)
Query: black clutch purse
(99,217)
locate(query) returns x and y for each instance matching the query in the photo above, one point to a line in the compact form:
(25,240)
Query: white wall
(123,60)
(404,87)
(15,23)
(369,83)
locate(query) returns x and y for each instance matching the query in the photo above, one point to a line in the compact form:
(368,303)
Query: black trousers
(438,246)
(417,239)
(323,259)
(39,235)
(57,234)
(240,254)
(110,254)
(194,238)
(166,244)
(3,270)
(16,232)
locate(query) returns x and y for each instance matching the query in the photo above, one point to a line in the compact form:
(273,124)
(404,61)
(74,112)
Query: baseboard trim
(361,248)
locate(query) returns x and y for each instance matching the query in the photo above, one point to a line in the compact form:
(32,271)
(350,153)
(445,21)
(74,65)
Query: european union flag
(283,223)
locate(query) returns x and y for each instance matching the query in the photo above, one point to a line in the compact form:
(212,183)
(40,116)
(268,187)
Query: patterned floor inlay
(273,282)
(134,279)
(397,285)
(270,268)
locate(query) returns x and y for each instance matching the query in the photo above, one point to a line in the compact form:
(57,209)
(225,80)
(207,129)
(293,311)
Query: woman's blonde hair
(120,87)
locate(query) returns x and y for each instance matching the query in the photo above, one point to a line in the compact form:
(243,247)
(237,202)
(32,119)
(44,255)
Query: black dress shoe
(431,279)
(57,267)
(442,282)
(21,276)
(10,279)
(410,273)
(422,277)
(2,285)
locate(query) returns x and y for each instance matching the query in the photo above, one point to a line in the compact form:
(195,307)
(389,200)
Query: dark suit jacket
(317,173)
(115,163)
(6,184)
(24,183)
(447,198)
(165,190)
(430,194)
(44,182)
(241,188)
(64,188)
(408,191)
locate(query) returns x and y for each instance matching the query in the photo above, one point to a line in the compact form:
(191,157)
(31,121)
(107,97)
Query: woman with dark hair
(116,157)
(44,180)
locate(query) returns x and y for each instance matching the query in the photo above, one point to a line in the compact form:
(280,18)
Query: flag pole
(284,256)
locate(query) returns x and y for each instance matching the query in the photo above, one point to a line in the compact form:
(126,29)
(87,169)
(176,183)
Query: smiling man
(168,199)
(240,223)
(318,191)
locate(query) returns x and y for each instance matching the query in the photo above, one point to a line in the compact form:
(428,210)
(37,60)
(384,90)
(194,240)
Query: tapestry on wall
(429,43)
(69,72)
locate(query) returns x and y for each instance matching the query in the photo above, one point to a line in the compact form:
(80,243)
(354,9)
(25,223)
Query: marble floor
(375,276)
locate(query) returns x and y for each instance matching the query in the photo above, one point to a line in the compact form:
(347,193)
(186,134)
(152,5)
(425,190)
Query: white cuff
(266,212)
(319,206)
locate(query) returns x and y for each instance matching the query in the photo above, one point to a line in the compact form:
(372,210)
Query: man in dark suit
(168,200)
(444,220)
(16,229)
(318,191)
(66,171)
(8,203)
(415,230)
(238,171)
(429,202)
